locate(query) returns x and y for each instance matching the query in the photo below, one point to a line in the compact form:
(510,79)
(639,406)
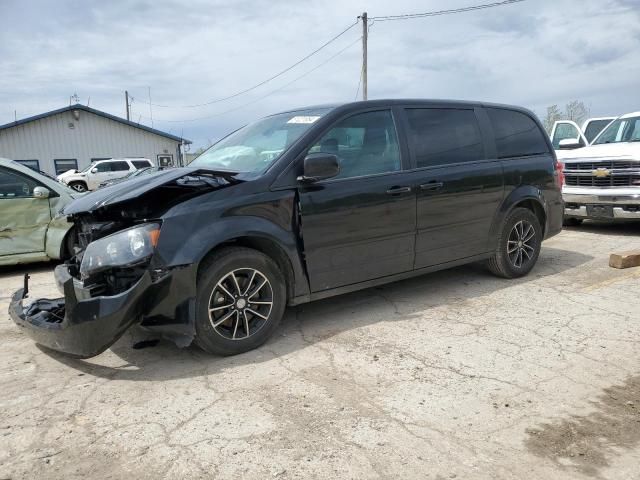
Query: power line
(273,77)
(267,94)
(436,13)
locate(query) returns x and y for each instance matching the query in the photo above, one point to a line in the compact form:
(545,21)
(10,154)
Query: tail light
(559,174)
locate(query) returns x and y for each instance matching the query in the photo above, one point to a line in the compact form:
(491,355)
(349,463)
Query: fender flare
(194,248)
(520,194)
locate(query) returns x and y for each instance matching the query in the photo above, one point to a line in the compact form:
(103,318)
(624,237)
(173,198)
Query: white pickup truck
(601,177)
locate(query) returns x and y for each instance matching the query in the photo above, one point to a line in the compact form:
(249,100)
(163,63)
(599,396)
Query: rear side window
(517,135)
(442,136)
(140,163)
(119,166)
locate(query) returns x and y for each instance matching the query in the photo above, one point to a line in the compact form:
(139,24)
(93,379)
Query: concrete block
(625,259)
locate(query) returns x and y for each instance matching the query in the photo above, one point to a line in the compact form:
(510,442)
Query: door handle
(398,190)
(431,186)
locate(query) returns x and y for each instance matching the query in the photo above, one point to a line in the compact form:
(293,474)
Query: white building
(75,136)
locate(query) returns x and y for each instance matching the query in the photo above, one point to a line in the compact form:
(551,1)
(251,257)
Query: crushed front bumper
(77,324)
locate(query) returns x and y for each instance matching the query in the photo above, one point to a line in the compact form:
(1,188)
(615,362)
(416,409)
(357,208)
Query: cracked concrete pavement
(453,374)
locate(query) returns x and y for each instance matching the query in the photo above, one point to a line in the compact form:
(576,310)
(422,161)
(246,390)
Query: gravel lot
(454,374)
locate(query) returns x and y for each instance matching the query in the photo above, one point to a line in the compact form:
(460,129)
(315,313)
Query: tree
(576,111)
(553,115)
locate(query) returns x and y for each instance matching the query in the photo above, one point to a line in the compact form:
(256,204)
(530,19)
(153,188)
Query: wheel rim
(521,244)
(240,304)
(78,187)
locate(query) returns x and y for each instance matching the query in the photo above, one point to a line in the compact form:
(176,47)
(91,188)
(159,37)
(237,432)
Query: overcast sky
(535,53)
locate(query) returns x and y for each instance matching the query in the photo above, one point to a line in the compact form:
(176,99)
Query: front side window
(15,185)
(565,131)
(620,130)
(516,134)
(441,136)
(256,146)
(64,164)
(103,167)
(365,144)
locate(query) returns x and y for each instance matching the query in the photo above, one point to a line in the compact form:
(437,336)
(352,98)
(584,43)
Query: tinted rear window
(517,135)
(441,136)
(141,163)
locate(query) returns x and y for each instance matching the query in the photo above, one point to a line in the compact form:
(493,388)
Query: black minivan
(299,206)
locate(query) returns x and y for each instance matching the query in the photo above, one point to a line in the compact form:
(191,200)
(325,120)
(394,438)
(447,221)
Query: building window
(32,164)
(64,164)
(93,160)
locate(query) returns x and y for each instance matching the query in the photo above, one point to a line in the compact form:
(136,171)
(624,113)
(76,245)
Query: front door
(567,130)
(23,219)
(361,224)
(458,189)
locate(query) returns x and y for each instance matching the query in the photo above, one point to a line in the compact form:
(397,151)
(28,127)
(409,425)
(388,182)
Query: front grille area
(602,173)
(608,164)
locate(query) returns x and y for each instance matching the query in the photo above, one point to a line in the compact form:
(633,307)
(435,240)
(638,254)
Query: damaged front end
(117,276)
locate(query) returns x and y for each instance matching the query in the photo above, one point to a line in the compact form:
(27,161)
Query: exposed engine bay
(110,219)
(116,277)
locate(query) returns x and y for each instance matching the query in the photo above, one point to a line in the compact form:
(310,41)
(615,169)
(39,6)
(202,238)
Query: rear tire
(571,222)
(79,187)
(518,245)
(241,297)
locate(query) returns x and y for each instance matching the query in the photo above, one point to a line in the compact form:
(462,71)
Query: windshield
(620,130)
(254,147)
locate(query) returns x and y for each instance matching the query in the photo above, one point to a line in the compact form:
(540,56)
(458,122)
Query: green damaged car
(31,229)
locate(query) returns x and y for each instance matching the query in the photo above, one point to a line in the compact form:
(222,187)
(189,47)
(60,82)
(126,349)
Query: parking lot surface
(456,374)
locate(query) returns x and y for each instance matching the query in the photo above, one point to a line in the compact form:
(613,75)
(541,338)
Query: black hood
(138,186)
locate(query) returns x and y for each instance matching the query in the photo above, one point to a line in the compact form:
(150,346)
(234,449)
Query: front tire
(79,187)
(518,245)
(241,297)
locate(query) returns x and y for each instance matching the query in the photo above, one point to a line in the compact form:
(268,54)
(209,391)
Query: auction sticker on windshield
(304,119)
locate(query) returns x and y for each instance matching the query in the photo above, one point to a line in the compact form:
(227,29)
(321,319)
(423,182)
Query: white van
(104,170)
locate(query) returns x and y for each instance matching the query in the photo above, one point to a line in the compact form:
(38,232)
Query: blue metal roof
(78,106)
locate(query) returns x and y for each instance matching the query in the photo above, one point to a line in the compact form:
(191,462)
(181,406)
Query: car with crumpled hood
(31,226)
(300,206)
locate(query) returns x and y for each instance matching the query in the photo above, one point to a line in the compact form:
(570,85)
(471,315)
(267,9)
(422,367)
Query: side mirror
(570,144)
(40,192)
(319,166)
(94,170)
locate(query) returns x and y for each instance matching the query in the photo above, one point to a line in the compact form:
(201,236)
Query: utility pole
(126,100)
(364,54)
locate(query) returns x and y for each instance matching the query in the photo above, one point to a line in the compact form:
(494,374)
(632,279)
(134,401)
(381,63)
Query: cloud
(533,53)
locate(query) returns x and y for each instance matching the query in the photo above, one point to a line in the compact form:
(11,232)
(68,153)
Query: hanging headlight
(124,248)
